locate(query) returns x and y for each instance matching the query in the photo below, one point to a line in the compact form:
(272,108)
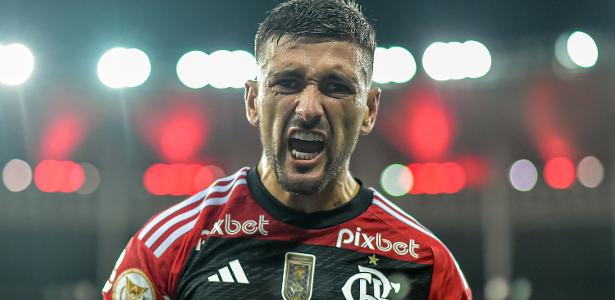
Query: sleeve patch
(133,284)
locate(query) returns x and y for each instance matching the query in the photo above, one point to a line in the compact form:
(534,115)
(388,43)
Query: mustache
(316,123)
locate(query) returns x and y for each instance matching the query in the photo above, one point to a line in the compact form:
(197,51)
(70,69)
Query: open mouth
(305,145)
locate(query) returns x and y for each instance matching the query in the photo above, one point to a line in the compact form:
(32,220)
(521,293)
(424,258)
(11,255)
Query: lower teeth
(303,155)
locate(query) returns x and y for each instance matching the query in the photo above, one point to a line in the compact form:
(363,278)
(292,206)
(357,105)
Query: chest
(234,268)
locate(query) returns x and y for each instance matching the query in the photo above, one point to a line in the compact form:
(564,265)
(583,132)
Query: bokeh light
(523,175)
(230,69)
(396,180)
(92,179)
(437,178)
(590,172)
(393,65)
(455,61)
(582,49)
(559,173)
(124,68)
(179,179)
(576,50)
(191,69)
(17,175)
(58,176)
(497,288)
(16,64)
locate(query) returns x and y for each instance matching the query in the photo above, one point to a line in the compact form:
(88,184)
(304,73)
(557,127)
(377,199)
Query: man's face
(310,103)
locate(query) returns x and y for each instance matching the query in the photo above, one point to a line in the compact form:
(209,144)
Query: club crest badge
(133,284)
(298,277)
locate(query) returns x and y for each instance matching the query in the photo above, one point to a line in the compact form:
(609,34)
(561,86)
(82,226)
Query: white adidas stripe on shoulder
(195,198)
(414,224)
(174,236)
(188,226)
(183,216)
(396,208)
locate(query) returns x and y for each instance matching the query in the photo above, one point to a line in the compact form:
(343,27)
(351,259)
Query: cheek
(272,122)
(348,121)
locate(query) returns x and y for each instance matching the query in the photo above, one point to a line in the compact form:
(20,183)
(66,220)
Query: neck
(337,193)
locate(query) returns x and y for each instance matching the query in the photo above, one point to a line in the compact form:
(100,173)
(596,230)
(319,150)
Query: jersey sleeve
(448,281)
(137,275)
(151,264)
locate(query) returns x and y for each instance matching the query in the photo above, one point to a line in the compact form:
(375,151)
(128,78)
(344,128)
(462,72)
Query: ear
(373,101)
(250,96)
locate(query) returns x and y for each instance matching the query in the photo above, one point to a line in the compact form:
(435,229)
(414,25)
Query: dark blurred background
(512,169)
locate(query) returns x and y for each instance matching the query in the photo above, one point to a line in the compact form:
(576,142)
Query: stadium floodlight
(124,68)
(434,61)
(16,64)
(192,68)
(231,69)
(582,49)
(479,59)
(455,61)
(576,50)
(393,65)
(244,66)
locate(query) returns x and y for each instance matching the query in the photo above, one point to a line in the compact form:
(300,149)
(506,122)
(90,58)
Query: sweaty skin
(314,86)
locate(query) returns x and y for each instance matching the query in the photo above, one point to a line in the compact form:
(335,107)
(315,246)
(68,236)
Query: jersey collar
(315,220)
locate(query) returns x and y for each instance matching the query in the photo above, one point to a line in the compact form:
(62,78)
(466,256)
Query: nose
(309,106)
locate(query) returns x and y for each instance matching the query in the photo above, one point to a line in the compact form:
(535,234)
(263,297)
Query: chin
(302,184)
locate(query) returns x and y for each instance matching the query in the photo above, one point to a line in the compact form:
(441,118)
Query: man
(298,226)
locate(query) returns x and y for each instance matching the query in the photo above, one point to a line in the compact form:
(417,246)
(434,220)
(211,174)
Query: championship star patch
(133,284)
(298,276)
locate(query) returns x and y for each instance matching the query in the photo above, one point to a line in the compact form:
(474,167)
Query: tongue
(306,146)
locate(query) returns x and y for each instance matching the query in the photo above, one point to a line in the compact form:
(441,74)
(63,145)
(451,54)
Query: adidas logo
(227,274)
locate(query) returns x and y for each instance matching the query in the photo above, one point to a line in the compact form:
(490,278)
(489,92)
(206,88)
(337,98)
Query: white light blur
(396,180)
(523,175)
(393,65)
(497,288)
(92,179)
(590,172)
(124,68)
(192,68)
(17,175)
(455,61)
(434,61)
(245,66)
(582,49)
(480,58)
(230,69)
(16,64)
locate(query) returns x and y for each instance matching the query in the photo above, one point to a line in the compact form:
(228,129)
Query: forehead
(314,57)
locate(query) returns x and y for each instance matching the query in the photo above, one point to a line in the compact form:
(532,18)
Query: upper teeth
(306,136)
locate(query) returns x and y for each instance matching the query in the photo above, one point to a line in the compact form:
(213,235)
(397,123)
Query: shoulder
(155,255)
(445,268)
(399,219)
(169,225)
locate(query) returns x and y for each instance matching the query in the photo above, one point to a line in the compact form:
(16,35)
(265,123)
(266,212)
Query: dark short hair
(321,20)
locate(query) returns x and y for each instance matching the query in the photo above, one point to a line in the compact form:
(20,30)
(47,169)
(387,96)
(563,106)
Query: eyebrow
(294,72)
(288,72)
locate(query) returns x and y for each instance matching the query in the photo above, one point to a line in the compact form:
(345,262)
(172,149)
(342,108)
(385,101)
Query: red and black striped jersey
(234,240)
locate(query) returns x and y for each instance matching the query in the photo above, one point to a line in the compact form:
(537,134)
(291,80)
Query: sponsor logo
(381,286)
(298,277)
(229,226)
(133,284)
(359,239)
(226,274)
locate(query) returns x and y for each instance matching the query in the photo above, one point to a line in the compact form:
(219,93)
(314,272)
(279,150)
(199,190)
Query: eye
(336,89)
(288,85)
